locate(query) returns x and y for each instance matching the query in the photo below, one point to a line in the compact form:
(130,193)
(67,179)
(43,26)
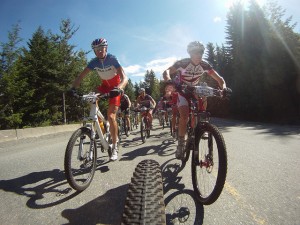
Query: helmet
(195,46)
(142,90)
(99,42)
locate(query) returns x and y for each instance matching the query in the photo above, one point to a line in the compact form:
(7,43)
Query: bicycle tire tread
(144,203)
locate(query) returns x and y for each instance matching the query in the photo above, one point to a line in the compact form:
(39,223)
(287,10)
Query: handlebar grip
(227,92)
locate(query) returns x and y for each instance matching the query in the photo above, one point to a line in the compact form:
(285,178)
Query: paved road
(262,184)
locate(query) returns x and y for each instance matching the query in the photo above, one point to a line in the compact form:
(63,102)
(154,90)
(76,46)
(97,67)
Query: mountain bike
(122,125)
(161,117)
(81,153)
(145,125)
(209,155)
(174,130)
(135,115)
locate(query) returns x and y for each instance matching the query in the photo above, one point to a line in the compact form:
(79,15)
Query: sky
(142,34)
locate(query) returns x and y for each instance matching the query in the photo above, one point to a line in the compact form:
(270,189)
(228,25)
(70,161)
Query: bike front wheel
(126,128)
(209,164)
(80,159)
(143,130)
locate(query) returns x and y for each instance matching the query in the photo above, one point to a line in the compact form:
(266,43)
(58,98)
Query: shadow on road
(106,209)
(181,208)
(263,128)
(165,148)
(181,205)
(44,189)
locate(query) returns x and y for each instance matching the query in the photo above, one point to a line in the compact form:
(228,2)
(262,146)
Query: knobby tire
(73,148)
(144,203)
(221,172)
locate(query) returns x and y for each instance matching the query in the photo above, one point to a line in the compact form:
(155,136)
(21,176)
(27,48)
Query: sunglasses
(100,48)
(196,53)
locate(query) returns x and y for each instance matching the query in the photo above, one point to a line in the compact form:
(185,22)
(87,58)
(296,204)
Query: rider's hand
(227,92)
(115,92)
(169,82)
(73,92)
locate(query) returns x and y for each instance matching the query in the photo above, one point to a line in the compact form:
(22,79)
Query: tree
(9,89)
(130,91)
(38,78)
(263,64)
(10,50)
(152,84)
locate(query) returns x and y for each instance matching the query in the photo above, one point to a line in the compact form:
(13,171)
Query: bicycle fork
(81,153)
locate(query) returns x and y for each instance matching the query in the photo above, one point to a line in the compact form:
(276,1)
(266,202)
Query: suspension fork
(80,156)
(191,125)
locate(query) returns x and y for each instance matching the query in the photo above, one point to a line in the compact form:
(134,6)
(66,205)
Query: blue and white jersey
(106,68)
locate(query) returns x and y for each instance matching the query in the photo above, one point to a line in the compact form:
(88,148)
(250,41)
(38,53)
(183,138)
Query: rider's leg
(174,117)
(150,117)
(183,119)
(111,116)
(183,109)
(127,119)
(166,115)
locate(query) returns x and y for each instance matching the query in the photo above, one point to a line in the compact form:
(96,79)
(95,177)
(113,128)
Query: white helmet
(142,90)
(195,46)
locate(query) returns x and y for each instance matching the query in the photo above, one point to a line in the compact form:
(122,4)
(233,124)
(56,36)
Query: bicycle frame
(95,112)
(145,113)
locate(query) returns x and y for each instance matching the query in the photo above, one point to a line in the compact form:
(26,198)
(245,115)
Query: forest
(260,62)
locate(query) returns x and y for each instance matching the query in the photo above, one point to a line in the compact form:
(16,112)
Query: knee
(111,116)
(184,118)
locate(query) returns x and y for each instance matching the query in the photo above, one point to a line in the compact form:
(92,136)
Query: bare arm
(153,101)
(129,102)
(78,80)
(124,79)
(218,78)
(168,72)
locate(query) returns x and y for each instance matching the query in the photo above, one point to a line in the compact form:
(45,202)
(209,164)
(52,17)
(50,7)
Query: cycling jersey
(124,102)
(190,73)
(146,101)
(106,69)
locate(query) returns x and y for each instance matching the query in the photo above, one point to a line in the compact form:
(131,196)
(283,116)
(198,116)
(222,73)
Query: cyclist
(171,98)
(158,110)
(165,102)
(125,107)
(134,107)
(146,100)
(190,72)
(114,81)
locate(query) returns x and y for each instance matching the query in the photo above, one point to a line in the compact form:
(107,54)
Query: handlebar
(202,90)
(93,97)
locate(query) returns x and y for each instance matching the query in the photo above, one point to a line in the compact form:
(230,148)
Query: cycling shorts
(182,101)
(126,111)
(112,101)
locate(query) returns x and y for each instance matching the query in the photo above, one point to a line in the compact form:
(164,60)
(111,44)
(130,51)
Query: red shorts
(104,88)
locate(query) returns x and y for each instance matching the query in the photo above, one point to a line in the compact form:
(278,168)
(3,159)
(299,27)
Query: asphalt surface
(262,185)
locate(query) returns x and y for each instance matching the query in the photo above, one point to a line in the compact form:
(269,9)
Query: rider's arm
(214,74)
(168,72)
(129,102)
(153,101)
(78,80)
(138,100)
(124,79)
